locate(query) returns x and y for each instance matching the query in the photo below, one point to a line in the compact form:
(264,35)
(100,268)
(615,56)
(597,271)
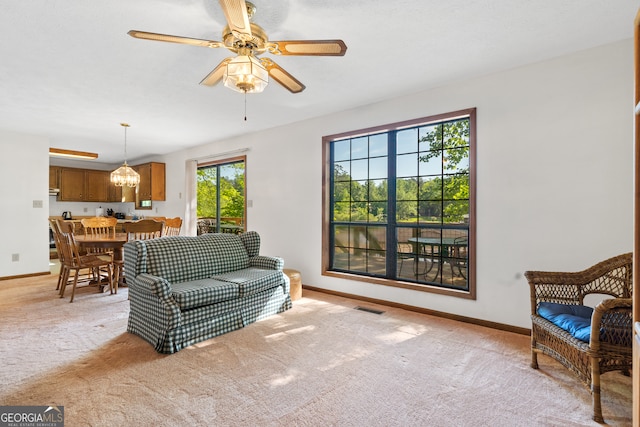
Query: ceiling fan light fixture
(245,74)
(125,176)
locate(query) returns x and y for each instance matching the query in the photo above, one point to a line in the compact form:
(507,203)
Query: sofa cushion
(198,293)
(252,280)
(575,319)
(251,241)
(185,258)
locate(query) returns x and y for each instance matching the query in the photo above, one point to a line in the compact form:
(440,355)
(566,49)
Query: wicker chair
(610,345)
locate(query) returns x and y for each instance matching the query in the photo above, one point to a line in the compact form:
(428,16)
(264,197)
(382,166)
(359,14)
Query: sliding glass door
(221,198)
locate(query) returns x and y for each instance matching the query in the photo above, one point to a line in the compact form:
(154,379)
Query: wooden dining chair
(99,226)
(172,226)
(144,229)
(55,229)
(74,261)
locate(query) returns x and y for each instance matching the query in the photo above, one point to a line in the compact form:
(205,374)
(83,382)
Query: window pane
(378,212)
(341,171)
(378,167)
(359,191)
(378,145)
(431,188)
(430,211)
(406,211)
(430,138)
(407,165)
(342,211)
(406,189)
(341,191)
(376,238)
(456,134)
(360,148)
(360,169)
(407,141)
(456,211)
(456,187)
(341,150)
(456,160)
(359,211)
(430,163)
(378,190)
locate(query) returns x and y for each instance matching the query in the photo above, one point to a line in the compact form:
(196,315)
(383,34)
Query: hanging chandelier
(124,176)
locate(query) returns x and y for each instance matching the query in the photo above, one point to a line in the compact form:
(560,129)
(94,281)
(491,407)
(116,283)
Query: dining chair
(74,261)
(461,255)
(99,226)
(172,226)
(410,251)
(55,229)
(144,229)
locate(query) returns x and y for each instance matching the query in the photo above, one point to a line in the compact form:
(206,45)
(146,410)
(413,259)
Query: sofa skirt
(169,330)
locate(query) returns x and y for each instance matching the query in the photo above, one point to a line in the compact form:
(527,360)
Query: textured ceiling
(70,72)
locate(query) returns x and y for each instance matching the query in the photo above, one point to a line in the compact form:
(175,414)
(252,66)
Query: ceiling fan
(246,72)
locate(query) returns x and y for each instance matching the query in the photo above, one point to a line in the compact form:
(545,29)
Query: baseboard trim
(480,322)
(22,276)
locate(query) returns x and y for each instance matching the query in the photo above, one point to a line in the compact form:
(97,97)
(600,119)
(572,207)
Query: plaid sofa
(184,289)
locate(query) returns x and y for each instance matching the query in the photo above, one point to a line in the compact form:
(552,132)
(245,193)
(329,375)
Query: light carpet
(322,363)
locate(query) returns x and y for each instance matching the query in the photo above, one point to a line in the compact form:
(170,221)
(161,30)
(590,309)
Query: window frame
(327,173)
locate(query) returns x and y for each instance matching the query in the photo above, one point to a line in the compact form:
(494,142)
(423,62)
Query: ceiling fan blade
(237,17)
(281,76)
(216,75)
(174,39)
(308,47)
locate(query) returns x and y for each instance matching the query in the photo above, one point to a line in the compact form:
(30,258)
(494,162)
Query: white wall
(554,177)
(24,178)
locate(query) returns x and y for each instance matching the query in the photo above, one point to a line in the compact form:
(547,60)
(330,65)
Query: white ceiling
(70,72)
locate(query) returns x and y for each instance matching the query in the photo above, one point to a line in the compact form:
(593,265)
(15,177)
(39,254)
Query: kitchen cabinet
(152,184)
(54,176)
(83,185)
(97,185)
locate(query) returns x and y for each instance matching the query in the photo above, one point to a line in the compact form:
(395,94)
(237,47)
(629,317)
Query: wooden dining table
(104,242)
(114,243)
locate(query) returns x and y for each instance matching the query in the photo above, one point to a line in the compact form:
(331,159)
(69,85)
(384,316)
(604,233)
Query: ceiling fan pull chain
(245,106)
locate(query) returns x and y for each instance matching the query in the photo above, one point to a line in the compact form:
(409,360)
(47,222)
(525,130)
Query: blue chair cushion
(575,319)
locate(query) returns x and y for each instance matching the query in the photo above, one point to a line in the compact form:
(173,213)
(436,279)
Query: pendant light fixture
(124,175)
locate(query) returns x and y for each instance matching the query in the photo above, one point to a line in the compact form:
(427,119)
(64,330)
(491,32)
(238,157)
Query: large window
(399,204)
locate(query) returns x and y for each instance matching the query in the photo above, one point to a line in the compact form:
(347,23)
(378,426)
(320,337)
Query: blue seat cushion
(575,319)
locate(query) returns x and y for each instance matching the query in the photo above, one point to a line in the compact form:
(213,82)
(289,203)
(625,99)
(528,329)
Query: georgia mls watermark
(31,416)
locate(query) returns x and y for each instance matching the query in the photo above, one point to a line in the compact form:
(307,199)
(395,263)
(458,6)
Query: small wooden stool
(296,283)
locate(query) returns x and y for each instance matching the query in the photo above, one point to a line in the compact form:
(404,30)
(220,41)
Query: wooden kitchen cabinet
(54,176)
(83,185)
(152,184)
(71,185)
(97,186)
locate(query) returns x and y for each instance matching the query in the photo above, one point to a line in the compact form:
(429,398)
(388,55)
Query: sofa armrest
(266,262)
(154,285)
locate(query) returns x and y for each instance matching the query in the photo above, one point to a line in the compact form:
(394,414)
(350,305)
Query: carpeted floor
(320,364)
